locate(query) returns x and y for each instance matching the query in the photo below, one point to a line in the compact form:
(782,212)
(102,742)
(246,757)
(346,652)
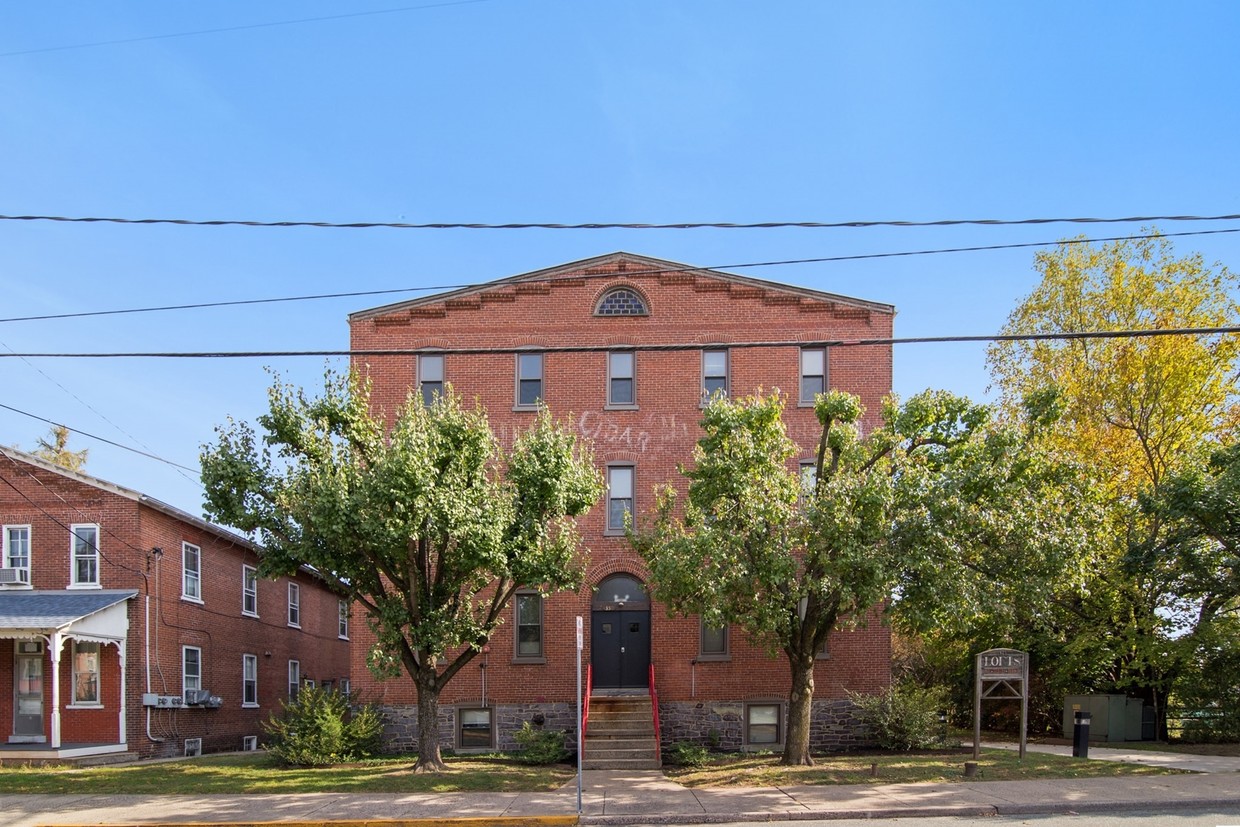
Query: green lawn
(234,774)
(945,766)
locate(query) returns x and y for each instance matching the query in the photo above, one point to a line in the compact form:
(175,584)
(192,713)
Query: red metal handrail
(585,712)
(654,705)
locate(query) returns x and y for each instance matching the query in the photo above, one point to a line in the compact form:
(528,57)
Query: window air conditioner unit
(197,697)
(193,746)
(10,576)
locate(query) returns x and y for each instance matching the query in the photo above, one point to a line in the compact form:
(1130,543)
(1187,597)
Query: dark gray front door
(620,649)
(28,697)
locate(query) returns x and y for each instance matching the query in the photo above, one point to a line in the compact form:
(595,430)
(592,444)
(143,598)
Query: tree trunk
(429,759)
(800,705)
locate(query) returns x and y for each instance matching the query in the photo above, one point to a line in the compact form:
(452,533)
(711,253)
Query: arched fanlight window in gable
(622,301)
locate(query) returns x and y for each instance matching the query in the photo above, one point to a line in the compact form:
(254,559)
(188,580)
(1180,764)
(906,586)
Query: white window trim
(517,404)
(246,659)
(608,528)
(73,557)
(73,702)
(294,604)
(185,687)
(342,620)
(5,562)
(245,591)
(632,377)
(187,576)
(294,683)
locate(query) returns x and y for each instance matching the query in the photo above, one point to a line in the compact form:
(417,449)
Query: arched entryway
(620,634)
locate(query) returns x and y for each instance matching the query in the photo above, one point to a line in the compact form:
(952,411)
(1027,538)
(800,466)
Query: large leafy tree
(1134,409)
(428,524)
(789,559)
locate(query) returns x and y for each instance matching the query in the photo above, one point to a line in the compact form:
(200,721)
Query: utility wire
(450,351)
(224,29)
(99,438)
(714,225)
(656,271)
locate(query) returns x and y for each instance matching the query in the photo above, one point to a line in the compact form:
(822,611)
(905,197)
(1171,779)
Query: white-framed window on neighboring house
(294,678)
(294,605)
(714,373)
(529,610)
(619,497)
(84,550)
(474,730)
(86,673)
(191,669)
(529,380)
(808,469)
(16,556)
(813,373)
(249,680)
(764,724)
(191,572)
(249,591)
(622,379)
(713,643)
(430,377)
(344,686)
(342,613)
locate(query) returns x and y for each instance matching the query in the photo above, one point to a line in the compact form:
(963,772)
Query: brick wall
(685,308)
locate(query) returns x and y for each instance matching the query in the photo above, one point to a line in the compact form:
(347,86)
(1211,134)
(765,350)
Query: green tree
(1134,409)
(787,560)
(428,525)
(54,449)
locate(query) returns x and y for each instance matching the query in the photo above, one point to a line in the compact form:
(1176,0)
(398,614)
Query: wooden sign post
(1001,675)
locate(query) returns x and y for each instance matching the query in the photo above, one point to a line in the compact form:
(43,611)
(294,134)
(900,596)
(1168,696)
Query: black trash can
(1080,734)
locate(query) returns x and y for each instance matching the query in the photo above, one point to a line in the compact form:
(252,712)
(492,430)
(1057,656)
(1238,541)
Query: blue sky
(552,111)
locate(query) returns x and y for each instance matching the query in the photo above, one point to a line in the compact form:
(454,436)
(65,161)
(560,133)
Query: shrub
(687,754)
(902,717)
(539,746)
(321,727)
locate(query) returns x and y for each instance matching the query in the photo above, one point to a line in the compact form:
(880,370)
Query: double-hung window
(342,615)
(249,680)
(764,724)
(714,373)
(474,730)
(249,591)
(16,554)
(430,378)
(294,605)
(529,380)
(619,497)
(85,552)
(191,572)
(714,643)
(85,673)
(294,678)
(813,373)
(191,670)
(621,379)
(529,626)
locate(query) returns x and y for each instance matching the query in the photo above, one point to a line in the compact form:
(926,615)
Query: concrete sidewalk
(640,797)
(1170,760)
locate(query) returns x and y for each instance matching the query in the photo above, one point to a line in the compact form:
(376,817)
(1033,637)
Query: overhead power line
(685,225)
(449,351)
(89,435)
(656,271)
(224,29)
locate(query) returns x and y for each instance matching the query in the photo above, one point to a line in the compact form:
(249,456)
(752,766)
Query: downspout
(146,639)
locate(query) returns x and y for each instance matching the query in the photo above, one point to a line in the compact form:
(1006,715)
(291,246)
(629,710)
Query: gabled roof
(46,612)
(645,266)
(15,455)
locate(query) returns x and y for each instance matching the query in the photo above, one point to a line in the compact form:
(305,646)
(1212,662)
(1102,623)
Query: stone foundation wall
(721,725)
(400,725)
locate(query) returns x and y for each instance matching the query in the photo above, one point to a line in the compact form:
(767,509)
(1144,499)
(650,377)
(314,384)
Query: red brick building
(626,348)
(128,626)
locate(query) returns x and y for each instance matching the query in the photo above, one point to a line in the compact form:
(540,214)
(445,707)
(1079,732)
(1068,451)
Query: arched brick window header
(622,301)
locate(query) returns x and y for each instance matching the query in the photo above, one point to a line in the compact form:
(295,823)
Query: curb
(445,821)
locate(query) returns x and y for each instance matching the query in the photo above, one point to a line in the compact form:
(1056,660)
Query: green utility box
(1116,718)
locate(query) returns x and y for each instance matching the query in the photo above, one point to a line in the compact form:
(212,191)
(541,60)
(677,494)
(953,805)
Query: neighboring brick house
(626,347)
(131,627)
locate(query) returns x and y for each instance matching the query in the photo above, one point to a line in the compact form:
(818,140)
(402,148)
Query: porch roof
(97,613)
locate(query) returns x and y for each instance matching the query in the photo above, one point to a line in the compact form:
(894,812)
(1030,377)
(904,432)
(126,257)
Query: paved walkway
(1171,760)
(642,797)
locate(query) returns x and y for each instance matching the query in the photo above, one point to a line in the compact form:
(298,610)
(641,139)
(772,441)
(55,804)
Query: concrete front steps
(620,734)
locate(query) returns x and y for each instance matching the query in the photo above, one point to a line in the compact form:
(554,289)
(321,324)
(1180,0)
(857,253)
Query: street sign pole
(580,734)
